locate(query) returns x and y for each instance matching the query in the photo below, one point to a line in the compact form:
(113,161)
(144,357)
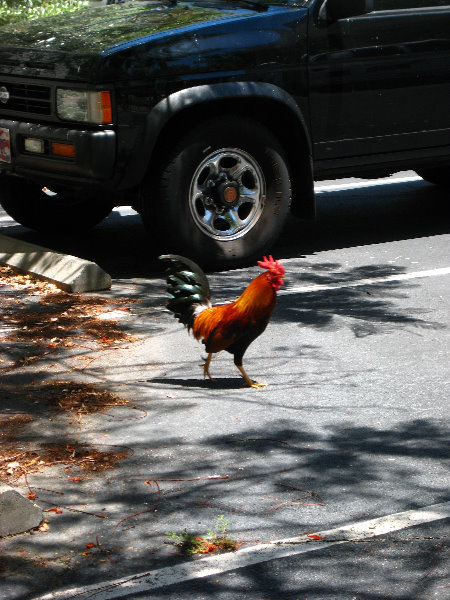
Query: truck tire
(437,175)
(28,204)
(222,194)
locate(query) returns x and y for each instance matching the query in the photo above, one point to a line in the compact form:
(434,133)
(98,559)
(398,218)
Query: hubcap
(227,194)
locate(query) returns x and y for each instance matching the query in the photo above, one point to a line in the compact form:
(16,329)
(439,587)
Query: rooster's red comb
(272,265)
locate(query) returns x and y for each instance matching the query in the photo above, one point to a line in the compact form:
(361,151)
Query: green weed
(216,540)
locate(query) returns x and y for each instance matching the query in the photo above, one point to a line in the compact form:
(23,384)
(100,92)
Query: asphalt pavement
(351,432)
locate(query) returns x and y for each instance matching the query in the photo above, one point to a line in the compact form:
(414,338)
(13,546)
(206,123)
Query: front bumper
(93,162)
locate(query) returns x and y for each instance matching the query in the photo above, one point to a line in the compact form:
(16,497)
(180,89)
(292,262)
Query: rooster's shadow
(219,383)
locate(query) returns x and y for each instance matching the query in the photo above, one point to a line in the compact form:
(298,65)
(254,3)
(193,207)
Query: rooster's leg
(248,381)
(206,372)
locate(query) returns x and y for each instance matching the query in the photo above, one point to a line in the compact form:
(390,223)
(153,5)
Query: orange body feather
(219,327)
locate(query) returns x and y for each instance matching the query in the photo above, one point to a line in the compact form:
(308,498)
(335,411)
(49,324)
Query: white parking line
(206,567)
(335,187)
(367,281)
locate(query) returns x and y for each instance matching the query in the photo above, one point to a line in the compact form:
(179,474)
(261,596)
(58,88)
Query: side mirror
(333,10)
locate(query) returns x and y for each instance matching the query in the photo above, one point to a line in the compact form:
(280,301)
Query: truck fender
(299,148)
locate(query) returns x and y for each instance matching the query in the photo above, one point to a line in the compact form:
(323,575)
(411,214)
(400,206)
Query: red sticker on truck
(5,145)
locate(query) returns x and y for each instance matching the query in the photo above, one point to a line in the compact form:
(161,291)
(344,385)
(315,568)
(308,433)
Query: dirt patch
(61,319)
(23,458)
(75,398)
(15,464)
(11,426)
(18,281)
(40,319)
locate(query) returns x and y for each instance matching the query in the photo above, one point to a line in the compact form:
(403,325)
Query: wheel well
(282,122)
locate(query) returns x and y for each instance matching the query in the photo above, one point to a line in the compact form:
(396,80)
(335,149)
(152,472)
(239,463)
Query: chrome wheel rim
(227,194)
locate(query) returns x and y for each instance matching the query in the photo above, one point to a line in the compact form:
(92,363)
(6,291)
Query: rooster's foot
(248,381)
(256,385)
(205,366)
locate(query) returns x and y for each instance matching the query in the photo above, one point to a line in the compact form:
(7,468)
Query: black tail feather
(187,287)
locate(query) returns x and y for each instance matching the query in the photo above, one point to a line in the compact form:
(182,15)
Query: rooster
(231,327)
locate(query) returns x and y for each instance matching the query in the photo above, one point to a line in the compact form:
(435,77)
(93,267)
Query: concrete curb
(17,514)
(67,272)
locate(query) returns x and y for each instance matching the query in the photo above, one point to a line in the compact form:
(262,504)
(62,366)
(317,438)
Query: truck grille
(27,98)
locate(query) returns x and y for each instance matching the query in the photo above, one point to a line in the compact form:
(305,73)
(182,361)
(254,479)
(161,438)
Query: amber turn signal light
(67,150)
(105,100)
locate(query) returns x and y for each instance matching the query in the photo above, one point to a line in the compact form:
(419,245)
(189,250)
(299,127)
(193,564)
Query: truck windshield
(264,4)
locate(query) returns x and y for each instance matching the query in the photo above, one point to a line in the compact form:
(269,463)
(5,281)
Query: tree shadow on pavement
(262,479)
(369,305)
(346,218)
(272,477)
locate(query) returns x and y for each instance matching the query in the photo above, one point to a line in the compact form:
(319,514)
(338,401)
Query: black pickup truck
(213,118)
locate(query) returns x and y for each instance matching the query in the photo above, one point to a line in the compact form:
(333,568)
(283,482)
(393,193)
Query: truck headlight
(84,105)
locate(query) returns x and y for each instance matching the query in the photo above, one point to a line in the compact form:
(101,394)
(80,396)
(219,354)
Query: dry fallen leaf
(44,526)
(12,467)
(314,536)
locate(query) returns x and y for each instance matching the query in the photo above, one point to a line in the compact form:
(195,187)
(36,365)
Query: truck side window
(405,4)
